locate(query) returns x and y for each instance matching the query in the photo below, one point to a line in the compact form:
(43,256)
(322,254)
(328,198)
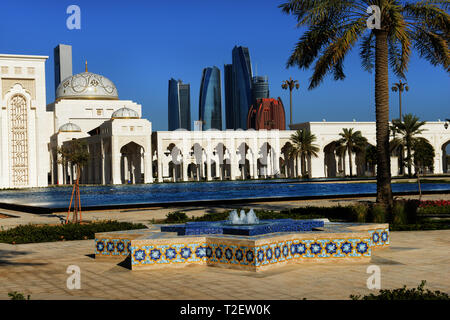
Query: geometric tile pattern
(230,253)
(379,237)
(151,248)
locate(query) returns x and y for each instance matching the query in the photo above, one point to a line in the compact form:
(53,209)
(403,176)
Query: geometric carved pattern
(19,140)
(28,84)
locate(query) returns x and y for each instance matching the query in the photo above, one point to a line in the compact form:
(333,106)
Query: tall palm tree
(303,145)
(351,141)
(334,27)
(400,87)
(407,131)
(290,84)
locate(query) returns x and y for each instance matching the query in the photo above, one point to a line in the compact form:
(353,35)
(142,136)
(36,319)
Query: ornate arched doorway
(18,140)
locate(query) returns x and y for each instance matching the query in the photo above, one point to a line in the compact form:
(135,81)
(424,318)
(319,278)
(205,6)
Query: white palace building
(123,148)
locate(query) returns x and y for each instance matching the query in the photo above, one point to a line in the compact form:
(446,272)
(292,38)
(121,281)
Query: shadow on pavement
(8,257)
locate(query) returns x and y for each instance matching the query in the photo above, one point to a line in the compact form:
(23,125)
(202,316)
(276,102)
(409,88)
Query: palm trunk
(303,165)
(384,190)
(408,154)
(290,113)
(350,161)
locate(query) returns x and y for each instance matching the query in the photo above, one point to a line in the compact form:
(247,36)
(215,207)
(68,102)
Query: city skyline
(140,72)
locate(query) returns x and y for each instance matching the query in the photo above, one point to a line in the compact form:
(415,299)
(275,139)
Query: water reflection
(174,192)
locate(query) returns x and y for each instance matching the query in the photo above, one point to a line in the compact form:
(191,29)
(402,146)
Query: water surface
(54,197)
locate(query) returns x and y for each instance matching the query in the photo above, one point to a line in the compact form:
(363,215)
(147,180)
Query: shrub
(176,217)
(310,212)
(399,213)
(359,212)
(72,231)
(17,296)
(422,226)
(212,216)
(377,214)
(405,294)
(411,207)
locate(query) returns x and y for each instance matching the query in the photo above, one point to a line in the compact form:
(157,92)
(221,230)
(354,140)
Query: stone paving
(40,270)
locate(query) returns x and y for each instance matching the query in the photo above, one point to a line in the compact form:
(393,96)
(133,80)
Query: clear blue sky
(141,44)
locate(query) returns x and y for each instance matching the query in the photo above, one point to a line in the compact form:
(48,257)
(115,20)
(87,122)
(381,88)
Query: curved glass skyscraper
(210,102)
(179,105)
(242,86)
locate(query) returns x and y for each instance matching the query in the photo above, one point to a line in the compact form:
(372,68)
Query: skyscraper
(179,105)
(240,83)
(229,112)
(260,88)
(63,63)
(210,102)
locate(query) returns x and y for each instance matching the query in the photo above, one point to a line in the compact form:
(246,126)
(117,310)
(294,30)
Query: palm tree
(334,27)
(76,154)
(408,129)
(290,84)
(303,146)
(400,87)
(351,141)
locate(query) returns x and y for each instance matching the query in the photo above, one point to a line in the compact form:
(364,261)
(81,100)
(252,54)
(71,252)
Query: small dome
(125,113)
(87,85)
(69,127)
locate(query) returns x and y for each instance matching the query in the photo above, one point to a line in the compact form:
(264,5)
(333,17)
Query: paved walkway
(40,270)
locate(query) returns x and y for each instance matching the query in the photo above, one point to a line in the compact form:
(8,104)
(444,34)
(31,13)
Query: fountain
(243,219)
(244,224)
(244,242)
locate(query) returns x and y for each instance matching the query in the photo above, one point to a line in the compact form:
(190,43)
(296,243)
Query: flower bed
(434,207)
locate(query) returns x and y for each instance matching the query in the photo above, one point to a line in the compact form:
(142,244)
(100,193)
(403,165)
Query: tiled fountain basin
(153,249)
(224,227)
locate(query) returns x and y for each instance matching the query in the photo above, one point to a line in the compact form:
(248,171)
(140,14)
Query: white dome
(87,85)
(125,113)
(69,127)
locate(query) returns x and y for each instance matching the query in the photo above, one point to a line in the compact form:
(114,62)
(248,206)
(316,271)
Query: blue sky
(141,44)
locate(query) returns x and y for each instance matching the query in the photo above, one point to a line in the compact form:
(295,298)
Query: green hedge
(405,294)
(43,233)
(403,216)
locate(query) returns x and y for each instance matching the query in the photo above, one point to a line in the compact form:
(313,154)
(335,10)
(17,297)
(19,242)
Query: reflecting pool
(58,197)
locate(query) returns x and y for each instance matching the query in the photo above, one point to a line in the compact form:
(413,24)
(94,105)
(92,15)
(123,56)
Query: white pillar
(318,165)
(185,169)
(394,166)
(148,169)
(60,177)
(233,162)
(250,167)
(208,167)
(438,163)
(276,163)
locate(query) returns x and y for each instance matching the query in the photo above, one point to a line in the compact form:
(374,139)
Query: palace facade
(124,149)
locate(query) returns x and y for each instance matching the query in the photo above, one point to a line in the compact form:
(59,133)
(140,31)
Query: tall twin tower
(241,90)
